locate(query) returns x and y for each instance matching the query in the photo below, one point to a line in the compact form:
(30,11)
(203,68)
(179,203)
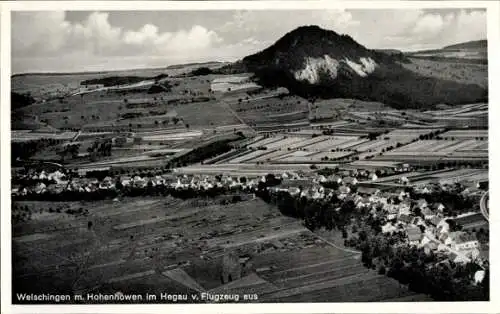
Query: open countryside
(206,178)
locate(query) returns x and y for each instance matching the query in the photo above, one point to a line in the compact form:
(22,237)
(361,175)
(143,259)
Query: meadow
(458,71)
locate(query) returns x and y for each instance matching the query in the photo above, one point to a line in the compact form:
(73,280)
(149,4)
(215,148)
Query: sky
(69,41)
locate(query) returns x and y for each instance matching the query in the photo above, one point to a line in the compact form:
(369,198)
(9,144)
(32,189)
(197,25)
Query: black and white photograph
(243,155)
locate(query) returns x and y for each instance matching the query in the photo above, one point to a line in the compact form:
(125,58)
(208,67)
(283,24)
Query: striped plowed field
(323,274)
(177,246)
(361,287)
(251,284)
(152,283)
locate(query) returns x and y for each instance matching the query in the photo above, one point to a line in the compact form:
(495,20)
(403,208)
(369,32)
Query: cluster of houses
(424,224)
(58,182)
(428,227)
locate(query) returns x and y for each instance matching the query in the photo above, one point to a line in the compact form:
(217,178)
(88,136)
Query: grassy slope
(462,72)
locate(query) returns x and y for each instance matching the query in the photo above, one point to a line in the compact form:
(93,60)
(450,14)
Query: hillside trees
(100,149)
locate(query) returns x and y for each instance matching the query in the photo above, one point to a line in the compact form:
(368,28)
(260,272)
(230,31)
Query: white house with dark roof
(463,242)
(404,207)
(428,213)
(139,182)
(344,191)
(126,180)
(414,235)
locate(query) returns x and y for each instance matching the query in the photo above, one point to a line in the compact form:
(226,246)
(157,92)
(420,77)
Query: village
(428,225)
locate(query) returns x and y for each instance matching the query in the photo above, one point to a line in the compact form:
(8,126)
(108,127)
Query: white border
(493,13)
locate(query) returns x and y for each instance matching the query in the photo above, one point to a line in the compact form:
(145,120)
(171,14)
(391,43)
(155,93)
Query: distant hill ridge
(483,43)
(313,62)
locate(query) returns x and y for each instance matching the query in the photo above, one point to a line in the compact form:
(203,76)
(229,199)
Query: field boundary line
(334,245)
(312,265)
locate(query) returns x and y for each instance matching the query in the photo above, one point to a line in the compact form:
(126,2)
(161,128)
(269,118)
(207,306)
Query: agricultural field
(172,136)
(334,109)
(464,116)
(422,178)
(188,98)
(233,84)
(345,145)
(460,175)
(298,149)
(332,125)
(372,165)
(314,157)
(248,169)
(456,146)
(406,135)
(466,134)
(463,72)
(158,244)
(271,110)
(331,142)
(207,114)
(28,135)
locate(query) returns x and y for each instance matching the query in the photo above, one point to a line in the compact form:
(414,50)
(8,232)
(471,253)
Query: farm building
(414,235)
(85,171)
(301,183)
(344,190)
(435,221)
(405,218)
(367,191)
(428,213)
(472,221)
(462,241)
